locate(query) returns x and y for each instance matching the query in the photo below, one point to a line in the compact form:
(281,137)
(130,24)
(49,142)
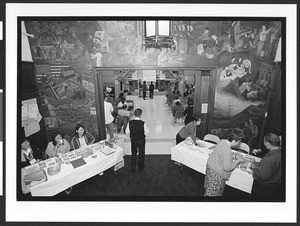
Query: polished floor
(158,117)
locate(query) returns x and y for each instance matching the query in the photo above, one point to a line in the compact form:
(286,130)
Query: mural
(65,52)
(244,74)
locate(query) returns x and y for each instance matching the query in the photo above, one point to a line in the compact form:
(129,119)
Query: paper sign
(204,108)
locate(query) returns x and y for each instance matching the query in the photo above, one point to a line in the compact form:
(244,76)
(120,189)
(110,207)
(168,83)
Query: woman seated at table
(122,103)
(178,107)
(82,138)
(189,130)
(29,154)
(123,118)
(57,146)
(220,164)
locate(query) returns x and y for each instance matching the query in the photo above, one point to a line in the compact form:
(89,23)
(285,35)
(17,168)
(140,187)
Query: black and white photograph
(160,109)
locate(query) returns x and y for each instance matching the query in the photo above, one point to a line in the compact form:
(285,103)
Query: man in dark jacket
(138,130)
(267,173)
(151,90)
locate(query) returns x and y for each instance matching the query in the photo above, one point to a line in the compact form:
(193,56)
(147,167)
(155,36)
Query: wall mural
(244,74)
(65,52)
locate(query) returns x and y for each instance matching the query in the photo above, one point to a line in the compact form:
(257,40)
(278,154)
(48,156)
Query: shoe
(68,191)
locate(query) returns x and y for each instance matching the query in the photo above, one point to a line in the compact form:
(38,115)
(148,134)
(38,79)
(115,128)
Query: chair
(243,147)
(179,115)
(211,138)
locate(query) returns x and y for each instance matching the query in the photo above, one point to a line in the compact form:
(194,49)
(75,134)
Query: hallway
(158,117)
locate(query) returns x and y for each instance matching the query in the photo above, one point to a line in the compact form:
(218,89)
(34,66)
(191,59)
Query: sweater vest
(136,128)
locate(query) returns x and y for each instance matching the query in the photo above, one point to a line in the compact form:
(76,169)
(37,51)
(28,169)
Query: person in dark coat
(144,88)
(151,90)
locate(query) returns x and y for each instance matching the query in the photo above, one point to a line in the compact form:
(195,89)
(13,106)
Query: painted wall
(65,52)
(245,73)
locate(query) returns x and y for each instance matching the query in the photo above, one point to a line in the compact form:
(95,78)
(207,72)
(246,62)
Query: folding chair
(178,115)
(211,138)
(243,148)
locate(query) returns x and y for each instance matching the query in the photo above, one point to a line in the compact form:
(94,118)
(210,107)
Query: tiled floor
(158,117)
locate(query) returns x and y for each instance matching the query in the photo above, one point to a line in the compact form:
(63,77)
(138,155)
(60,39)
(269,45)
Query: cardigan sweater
(221,160)
(75,143)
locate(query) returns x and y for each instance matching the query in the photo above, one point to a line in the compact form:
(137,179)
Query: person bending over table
(220,164)
(82,138)
(267,173)
(189,130)
(57,146)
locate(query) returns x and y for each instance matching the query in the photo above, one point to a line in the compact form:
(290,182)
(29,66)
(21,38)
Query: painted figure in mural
(100,41)
(245,88)
(220,165)
(254,133)
(225,43)
(246,65)
(98,57)
(212,46)
(200,49)
(204,37)
(246,132)
(162,57)
(271,48)
(39,52)
(57,146)
(262,39)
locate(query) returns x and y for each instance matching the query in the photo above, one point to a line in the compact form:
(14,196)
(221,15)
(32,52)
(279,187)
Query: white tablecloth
(196,158)
(69,176)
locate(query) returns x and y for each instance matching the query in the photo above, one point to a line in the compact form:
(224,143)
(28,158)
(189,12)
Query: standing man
(138,130)
(108,109)
(267,173)
(151,90)
(144,88)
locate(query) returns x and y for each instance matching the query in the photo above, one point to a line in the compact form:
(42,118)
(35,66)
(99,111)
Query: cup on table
(102,144)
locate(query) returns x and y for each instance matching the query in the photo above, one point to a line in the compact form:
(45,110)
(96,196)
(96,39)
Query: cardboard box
(119,165)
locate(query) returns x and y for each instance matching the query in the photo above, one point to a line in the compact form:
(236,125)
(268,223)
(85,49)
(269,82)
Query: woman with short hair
(189,130)
(220,165)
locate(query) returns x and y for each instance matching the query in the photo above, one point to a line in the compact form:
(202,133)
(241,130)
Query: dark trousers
(151,94)
(135,146)
(263,190)
(179,139)
(144,95)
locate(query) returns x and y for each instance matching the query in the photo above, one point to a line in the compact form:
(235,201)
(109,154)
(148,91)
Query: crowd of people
(220,164)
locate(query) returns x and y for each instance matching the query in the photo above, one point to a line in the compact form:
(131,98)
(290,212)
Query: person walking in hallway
(144,88)
(108,109)
(137,130)
(151,90)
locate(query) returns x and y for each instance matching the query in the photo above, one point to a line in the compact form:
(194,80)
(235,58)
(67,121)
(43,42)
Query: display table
(196,157)
(75,168)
